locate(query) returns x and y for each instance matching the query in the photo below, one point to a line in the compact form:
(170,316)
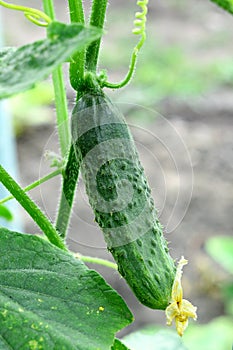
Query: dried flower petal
(179,309)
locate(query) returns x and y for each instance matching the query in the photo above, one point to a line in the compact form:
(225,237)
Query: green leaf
(225,4)
(220,249)
(5,213)
(228,298)
(50,300)
(118,345)
(216,335)
(154,338)
(21,68)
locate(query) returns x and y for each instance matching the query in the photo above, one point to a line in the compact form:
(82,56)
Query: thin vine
(97,261)
(139,29)
(33,15)
(35,184)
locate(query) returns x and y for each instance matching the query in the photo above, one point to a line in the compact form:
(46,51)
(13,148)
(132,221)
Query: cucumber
(120,196)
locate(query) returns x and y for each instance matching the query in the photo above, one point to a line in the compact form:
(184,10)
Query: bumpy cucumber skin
(131,229)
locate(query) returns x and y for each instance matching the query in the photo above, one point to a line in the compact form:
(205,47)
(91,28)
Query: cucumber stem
(34,184)
(77,64)
(31,208)
(97,19)
(70,178)
(60,94)
(61,110)
(98,261)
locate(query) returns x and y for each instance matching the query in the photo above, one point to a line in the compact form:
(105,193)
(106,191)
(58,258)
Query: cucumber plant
(48,297)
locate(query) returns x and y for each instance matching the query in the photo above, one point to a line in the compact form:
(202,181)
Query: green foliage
(154,338)
(5,213)
(225,4)
(220,249)
(216,335)
(169,71)
(32,107)
(227,292)
(118,345)
(48,299)
(164,71)
(21,68)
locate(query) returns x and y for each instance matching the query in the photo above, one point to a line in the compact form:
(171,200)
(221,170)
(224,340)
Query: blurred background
(180,109)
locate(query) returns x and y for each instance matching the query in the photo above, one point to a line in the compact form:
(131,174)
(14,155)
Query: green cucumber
(121,198)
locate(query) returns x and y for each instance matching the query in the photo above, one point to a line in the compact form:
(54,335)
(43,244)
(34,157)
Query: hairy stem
(97,19)
(70,178)
(77,64)
(31,208)
(60,95)
(98,261)
(35,184)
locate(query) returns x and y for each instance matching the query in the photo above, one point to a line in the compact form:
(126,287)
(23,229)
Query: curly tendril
(140,22)
(33,15)
(139,29)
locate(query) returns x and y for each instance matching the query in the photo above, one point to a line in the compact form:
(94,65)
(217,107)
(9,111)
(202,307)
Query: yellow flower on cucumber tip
(179,309)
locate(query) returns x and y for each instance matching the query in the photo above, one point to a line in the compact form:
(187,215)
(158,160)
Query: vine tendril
(140,22)
(139,29)
(33,15)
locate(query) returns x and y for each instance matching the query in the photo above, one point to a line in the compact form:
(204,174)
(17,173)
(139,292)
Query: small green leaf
(21,68)
(220,248)
(228,298)
(50,300)
(154,338)
(225,4)
(216,335)
(5,213)
(118,345)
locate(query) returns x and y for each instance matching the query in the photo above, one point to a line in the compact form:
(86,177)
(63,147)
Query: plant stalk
(77,64)
(70,179)
(34,184)
(98,261)
(32,209)
(60,95)
(71,172)
(97,19)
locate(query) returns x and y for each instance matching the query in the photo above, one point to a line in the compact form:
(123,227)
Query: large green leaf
(118,345)
(221,249)
(154,338)
(50,300)
(21,68)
